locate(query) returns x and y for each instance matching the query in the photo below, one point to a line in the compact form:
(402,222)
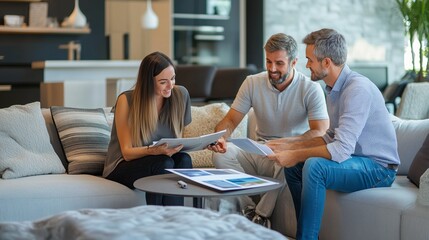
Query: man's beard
(281,79)
(320,76)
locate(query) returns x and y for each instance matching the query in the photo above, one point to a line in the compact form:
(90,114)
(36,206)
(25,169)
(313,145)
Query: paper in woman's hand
(192,144)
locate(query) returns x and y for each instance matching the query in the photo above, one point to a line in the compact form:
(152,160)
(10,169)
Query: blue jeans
(308,183)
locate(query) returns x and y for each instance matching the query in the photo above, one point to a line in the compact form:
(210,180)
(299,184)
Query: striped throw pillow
(85,136)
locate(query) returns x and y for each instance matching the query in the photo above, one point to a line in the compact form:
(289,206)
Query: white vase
(76,18)
(149,19)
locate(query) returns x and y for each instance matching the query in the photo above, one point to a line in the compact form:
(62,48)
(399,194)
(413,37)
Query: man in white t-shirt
(287,104)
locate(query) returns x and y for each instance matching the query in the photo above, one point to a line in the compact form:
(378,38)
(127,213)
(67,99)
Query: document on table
(250,146)
(194,143)
(222,179)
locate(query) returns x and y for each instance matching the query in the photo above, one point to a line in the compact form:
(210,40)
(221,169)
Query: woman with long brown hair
(156,108)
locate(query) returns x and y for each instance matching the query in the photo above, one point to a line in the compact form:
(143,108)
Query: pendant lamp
(149,19)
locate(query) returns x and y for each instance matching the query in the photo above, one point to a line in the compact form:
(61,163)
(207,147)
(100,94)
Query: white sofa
(382,213)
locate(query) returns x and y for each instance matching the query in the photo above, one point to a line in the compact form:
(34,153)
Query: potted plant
(416,21)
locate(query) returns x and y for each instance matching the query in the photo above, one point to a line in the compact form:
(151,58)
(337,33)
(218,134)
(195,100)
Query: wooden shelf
(34,30)
(21,0)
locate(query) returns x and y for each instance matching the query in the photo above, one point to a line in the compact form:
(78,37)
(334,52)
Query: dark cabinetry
(190,6)
(207,32)
(19,47)
(19,84)
(23,45)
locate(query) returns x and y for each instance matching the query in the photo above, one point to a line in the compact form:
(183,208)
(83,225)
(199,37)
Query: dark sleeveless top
(163,130)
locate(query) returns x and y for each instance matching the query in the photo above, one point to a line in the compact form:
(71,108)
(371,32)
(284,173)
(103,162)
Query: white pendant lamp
(149,19)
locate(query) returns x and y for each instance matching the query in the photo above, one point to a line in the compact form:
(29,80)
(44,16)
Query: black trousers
(127,172)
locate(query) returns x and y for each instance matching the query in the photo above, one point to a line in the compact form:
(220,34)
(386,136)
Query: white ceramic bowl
(13,20)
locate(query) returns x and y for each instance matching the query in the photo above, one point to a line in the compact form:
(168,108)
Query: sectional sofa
(382,213)
(72,181)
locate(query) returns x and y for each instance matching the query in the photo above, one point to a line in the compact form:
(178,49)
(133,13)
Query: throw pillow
(24,143)
(411,135)
(420,163)
(204,120)
(85,136)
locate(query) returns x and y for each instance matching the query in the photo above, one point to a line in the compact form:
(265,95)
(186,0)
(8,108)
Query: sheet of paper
(222,179)
(250,146)
(192,144)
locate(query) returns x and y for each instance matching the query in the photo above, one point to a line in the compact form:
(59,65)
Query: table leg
(198,202)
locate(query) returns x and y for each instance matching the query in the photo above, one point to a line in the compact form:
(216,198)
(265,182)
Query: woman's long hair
(144,116)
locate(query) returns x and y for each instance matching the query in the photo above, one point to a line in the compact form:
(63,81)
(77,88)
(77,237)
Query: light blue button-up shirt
(360,124)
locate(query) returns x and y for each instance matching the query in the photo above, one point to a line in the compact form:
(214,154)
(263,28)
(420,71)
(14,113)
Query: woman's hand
(164,149)
(220,146)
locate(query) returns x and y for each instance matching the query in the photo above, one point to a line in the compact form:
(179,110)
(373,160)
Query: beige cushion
(25,148)
(414,103)
(423,197)
(204,120)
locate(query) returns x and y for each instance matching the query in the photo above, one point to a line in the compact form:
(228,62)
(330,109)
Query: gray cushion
(420,163)
(85,136)
(24,143)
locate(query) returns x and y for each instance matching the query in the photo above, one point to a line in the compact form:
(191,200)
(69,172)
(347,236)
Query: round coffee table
(167,184)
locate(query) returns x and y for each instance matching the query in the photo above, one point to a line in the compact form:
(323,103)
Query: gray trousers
(253,164)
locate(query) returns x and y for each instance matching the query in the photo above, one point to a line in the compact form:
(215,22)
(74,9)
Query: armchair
(197,79)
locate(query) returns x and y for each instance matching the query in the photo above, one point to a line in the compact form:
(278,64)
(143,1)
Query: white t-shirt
(281,114)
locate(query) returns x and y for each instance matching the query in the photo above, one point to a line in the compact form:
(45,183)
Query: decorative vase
(76,18)
(149,19)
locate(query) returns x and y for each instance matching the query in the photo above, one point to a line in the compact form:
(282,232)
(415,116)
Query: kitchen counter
(83,83)
(86,70)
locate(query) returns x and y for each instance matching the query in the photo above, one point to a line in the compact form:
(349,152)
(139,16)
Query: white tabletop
(167,184)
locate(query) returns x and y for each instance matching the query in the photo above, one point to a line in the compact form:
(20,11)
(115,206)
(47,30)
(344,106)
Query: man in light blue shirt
(286,104)
(358,151)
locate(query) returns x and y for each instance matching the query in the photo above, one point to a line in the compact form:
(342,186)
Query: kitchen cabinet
(28,44)
(20,46)
(19,84)
(207,32)
(127,38)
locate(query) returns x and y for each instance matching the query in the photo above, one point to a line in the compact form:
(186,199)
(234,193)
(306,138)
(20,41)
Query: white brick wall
(373,29)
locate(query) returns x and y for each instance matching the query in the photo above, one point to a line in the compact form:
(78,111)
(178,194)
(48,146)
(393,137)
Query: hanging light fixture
(149,19)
